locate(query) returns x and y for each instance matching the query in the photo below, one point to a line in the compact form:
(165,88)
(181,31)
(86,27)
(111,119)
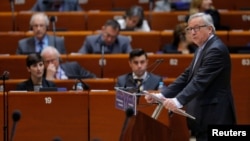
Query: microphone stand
(4,77)
(12,6)
(151,6)
(53,19)
(157,111)
(158,62)
(103,62)
(160,106)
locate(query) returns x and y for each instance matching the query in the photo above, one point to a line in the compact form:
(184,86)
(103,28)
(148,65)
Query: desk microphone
(53,20)
(5,75)
(129,113)
(160,106)
(84,85)
(16,117)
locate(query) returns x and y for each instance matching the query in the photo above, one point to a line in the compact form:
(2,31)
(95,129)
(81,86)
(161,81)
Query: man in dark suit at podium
(205,86)
(56,5)
(139,78)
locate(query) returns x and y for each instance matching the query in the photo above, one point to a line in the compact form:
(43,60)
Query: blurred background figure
(181,42)
(162,6)
(207,7)
(134,20)
(139,77)
(171,5)
(55,69)
(39,24)
(109,40)
(35,67)
(56,5)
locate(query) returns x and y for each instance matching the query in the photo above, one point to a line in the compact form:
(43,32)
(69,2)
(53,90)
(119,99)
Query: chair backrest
(66,21)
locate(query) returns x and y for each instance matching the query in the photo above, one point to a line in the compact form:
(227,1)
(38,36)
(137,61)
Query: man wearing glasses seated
(108,41)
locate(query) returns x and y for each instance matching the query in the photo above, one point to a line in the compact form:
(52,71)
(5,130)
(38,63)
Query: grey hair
(39,14)
(50,49)
(206,18)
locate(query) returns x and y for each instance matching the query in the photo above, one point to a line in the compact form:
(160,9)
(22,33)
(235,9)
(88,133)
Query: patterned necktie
(139,84)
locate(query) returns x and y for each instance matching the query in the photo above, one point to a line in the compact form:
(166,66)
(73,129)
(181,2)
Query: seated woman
(207,7)
(134,20)
(35,66)
(181,41)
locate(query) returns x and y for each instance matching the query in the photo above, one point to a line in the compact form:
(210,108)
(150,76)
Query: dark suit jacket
(150,83)
(206,89)
(27,45)
(47,5)
(74,70)
(93,44)
(28,85)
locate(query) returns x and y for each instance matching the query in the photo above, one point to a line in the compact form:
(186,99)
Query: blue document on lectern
(125,98)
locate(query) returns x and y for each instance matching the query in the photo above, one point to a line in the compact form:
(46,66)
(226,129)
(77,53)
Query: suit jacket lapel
(197,65)
(31,46)
(146,82)
(50,41)
(30,85)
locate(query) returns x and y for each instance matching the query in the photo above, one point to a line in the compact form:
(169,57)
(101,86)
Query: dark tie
(40,46)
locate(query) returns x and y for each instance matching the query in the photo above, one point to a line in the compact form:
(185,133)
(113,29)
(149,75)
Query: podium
(142,127)
(175,124)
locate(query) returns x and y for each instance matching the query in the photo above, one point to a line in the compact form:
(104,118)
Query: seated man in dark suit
(56,5)
(108,41)
(39,23)
(35,66)
(54,69)
(138,61)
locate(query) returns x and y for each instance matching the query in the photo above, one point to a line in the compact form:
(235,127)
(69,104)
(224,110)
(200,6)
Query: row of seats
(121,4)
(149,41)
(93,20)
(87,115)
(82,116)
(116,64)
(93,84)
(172,66)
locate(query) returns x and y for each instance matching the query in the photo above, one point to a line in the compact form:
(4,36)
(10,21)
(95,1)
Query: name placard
(125,100)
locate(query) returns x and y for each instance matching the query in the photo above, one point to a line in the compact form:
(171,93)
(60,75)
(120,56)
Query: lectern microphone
(129,113)
(53,20)
(15,117)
